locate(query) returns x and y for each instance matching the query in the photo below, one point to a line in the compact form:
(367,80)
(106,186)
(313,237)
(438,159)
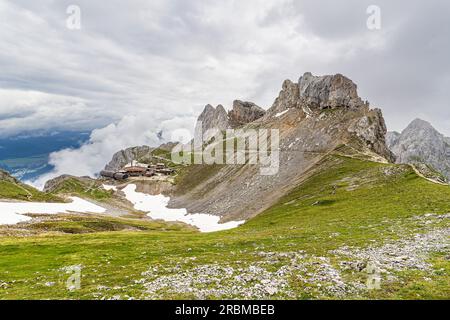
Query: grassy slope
(17,191)
(349,202)
(76,187)
(76,224)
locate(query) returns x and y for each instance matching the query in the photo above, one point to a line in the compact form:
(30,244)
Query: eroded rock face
(329,91)
(421,143)
(333,99)
(316,93)
(123,157)
(212,119)
(138,153)
(371,129)
(392,138)
(289,97)
(243,113)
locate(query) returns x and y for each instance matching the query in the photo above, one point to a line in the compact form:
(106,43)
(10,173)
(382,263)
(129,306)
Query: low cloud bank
(131,131)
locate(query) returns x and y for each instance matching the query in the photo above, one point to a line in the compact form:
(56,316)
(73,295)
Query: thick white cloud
(171,57)
(103,143)
(25,111)
(163,60)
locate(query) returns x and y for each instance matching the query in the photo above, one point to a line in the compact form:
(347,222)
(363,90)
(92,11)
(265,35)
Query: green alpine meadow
(224,159)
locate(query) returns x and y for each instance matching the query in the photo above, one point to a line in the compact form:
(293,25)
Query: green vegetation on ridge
(76,187)
(22,192)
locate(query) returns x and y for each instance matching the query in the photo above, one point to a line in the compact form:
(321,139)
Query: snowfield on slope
(156,206)
(279,114)
(14,212)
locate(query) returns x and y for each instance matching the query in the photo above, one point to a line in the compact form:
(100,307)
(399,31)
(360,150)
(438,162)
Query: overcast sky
(140,66)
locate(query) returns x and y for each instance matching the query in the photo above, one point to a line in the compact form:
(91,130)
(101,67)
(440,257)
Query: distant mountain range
(420,142)
(26,156)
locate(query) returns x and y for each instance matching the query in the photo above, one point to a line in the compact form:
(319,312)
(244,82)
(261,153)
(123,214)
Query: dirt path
(29,195)
(429,179)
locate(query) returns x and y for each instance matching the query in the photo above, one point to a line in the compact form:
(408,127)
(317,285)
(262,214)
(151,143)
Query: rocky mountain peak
(423,129)
(318,93)
(213,118)
(123,157)
(289,97)
(420,142)
(420,125)
(329,91)
(244,112)
(310,98)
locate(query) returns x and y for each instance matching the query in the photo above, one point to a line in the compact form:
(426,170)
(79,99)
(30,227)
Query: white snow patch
(279,114)
(108,187)
(307,111)
(156,206)
(13,212)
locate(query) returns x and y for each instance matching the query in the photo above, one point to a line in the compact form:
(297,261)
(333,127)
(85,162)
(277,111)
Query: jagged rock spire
(244,112)
(218,119)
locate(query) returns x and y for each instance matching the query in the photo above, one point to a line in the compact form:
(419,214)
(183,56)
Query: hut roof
(134,169)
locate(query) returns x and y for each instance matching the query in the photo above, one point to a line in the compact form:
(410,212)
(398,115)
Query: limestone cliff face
(138,153)
(317,93)
(244,113)
(371,129)
(421,143)
(333,99)
(123,157)
(314,116)
(392,138)
(289,97)
(328,91)
(214,119)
